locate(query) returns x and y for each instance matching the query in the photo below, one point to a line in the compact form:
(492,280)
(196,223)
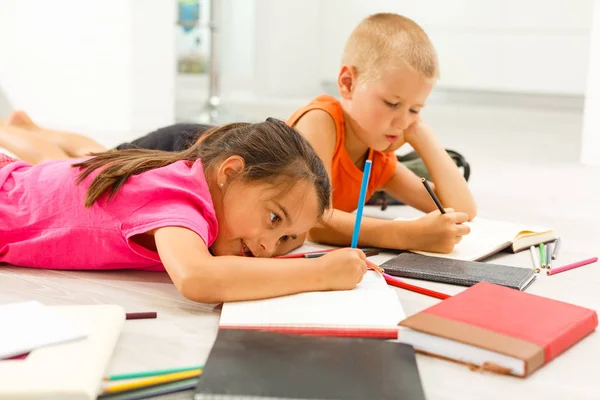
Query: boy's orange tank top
(345,176)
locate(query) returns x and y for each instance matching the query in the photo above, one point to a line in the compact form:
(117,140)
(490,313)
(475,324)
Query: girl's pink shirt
(44,223)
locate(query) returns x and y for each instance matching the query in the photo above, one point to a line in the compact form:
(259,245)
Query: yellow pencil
(155,380)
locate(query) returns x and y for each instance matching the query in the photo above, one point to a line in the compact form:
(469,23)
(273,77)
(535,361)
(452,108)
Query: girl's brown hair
(272,151)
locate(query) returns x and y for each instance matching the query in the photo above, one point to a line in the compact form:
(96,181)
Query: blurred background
(517,76)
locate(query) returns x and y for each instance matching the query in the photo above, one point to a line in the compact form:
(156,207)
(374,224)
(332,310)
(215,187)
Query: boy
(389,68)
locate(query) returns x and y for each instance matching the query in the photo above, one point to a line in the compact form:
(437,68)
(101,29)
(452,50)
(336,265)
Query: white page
(30,325)
(371,304)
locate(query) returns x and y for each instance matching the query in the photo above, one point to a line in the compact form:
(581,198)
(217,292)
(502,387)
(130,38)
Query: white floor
(524,168)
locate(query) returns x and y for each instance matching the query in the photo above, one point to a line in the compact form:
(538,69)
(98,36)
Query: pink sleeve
(159,213)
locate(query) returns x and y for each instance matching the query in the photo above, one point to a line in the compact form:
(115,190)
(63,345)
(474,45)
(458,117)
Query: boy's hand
(416,131)
(439,233)
(343,269)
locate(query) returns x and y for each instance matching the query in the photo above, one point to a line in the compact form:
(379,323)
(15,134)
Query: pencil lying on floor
(141,315)
(154,380)
(319,253)
(393,281)
(145,374)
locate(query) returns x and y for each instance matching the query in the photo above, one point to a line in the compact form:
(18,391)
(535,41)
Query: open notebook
(30,325)
(67,371)
(489,237)
(372,309)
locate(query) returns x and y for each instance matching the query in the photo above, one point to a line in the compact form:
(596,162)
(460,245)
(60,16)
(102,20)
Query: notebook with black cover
(457,272)
(245,364)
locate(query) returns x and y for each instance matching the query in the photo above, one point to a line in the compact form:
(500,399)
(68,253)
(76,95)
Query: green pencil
(144,374)
(542,255)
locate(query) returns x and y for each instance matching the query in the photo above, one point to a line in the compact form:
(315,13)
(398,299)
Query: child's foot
(21,119)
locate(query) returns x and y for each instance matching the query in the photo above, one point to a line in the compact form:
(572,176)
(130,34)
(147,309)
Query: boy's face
(383,109)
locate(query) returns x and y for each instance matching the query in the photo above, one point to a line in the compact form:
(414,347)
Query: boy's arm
(433,232)
(319,129)
(449,184)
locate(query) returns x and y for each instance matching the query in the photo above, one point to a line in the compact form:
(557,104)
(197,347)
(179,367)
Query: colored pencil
(305,254)
(144,374)
(154,380)
(141,315)
(548,255)
(374,267)
(567,267)
(393,281)
(433,196)
(147,392)
(536,264)
(361,202)
(542,255)
(320,253)
(556,248)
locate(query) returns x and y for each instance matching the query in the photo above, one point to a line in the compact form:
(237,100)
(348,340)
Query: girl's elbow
(200,289)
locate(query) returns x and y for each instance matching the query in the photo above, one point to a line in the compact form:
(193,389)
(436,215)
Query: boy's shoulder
(324,112)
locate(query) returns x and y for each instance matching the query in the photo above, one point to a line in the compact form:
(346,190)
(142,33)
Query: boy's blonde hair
(383,39)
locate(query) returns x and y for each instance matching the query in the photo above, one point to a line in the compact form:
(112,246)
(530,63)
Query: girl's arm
(201,277)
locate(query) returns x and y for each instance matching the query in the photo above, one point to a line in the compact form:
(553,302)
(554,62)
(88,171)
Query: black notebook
(457,272)
(245,364)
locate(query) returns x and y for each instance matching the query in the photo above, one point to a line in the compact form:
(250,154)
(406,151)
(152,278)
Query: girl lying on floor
(203,214)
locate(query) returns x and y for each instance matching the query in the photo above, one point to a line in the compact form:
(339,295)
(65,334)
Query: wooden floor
(524,170)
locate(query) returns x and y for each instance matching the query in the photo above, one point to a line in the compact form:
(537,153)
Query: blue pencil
(361,202)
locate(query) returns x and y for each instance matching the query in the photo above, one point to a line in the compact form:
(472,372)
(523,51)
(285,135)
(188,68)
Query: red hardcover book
(499,329)
(371,310)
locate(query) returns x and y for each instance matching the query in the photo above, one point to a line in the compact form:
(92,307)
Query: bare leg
(29,146)
(73,144)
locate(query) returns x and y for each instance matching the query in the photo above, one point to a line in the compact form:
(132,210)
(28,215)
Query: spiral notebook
(372,309)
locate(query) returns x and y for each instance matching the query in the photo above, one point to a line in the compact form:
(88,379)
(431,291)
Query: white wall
(527,46)
(590,141)
(103,67)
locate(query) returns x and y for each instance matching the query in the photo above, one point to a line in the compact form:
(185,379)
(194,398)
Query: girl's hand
(438,232)
(343,269)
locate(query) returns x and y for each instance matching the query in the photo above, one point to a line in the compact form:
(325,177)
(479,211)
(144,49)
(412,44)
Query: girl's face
(254,218)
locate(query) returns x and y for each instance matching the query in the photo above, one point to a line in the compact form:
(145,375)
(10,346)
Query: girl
(240,192)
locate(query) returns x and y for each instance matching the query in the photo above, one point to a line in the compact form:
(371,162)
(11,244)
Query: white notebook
(66,371)
(489,237)
(372,309)
(30,325)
